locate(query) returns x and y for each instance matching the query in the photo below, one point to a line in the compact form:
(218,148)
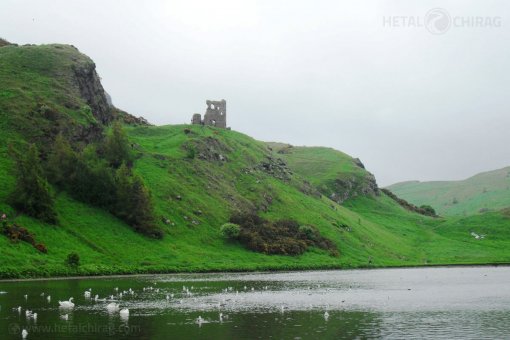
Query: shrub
(191,152)
(42,248)
(284,237)
(307,231)
(16,233)
(428,210)
(73,260)
(230,230)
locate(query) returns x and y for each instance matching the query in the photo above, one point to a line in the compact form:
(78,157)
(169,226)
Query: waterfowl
(66,304)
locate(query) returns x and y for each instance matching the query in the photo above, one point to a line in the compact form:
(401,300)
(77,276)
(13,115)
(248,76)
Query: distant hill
(485,191)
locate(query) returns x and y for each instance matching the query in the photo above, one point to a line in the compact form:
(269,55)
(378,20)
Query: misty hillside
(196,178)
(483,192)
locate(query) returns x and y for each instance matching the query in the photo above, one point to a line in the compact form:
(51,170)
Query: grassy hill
(199,176)
(334,173)
(482,192)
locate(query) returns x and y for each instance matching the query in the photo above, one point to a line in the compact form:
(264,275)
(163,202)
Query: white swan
(24,334)
(199,320)
(112,307)
(96,298)
(66,304)
(48,298)
(326,315)
(124,312)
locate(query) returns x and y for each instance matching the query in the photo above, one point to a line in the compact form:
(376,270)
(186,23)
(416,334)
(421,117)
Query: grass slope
(485,191)
(198,176)
(334,173)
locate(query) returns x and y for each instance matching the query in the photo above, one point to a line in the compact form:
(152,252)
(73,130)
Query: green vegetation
(230,231)
(116,147)
(426,210)
(284,237)
(334,173)
(110,198)
(31,194)
(73,260)
(487,191)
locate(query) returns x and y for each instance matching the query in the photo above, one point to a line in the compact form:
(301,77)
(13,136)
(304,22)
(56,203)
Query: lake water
(440,303)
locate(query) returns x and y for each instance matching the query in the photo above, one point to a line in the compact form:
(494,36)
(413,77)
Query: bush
(73,260)
(230,230)
(42,248)
(16,233)
(428,210)
(307,231)
(284,237)
(191,152)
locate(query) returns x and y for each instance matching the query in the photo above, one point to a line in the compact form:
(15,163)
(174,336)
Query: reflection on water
(462,302)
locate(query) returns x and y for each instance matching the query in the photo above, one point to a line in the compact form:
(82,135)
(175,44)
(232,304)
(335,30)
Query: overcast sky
(363,77)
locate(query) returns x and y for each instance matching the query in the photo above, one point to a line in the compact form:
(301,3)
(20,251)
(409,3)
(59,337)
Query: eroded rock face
(344,189)
(275,167)
(210,149)
(92,91)
(358,162)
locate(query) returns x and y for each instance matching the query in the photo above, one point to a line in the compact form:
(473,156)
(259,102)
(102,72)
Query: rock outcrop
(342,189)
(92,91)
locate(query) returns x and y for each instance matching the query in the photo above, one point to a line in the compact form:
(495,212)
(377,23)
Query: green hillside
(487,191)
(198,177)
(334,173)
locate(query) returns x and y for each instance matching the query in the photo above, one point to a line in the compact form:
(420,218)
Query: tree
(134,204)
(117,147)
(428,210)
(141,202)
(31,194)
(94,180)
(62,163)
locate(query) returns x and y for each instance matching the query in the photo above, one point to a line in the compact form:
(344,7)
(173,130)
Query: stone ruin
(215,114)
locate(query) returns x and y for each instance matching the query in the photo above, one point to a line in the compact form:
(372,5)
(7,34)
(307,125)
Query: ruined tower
(215,114)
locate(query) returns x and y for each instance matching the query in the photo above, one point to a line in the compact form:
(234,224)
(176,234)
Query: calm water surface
(440,303)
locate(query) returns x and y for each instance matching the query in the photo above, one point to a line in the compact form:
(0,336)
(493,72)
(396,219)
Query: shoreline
(240,271)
